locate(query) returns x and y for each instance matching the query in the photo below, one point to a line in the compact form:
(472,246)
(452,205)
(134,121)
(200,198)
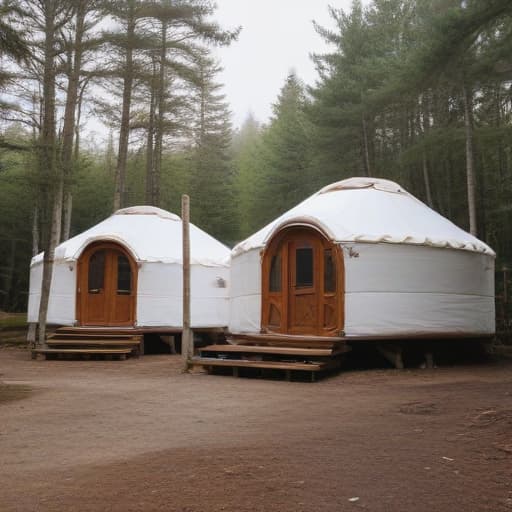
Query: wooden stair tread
(82,350)
(285,340)
(54,342)
(129,330)
(95,331)
(292,351)
(70,335)
(277,365)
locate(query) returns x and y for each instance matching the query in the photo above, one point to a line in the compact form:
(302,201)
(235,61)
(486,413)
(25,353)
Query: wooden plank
(73,335)
(277,365)
(286,340)
(61,343)
(103,331)
(292,351)
(137,330)
(284,337)
(82,351)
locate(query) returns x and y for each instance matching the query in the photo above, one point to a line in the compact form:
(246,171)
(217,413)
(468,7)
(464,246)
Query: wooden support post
(429,360)
(187,337)
(169,340)
(31,334)
(393,353)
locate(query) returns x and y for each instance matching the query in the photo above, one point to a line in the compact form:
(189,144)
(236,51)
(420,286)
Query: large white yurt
(363,259)
(127,271)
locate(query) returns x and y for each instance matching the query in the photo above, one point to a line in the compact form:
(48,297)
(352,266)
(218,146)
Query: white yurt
(362,258)
(127,271)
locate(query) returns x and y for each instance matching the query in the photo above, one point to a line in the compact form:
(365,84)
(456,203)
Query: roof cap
(147,210)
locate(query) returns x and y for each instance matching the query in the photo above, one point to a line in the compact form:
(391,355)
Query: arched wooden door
(302,284)
(107,286)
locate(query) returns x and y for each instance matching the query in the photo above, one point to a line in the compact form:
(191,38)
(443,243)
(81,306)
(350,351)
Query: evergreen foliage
(211,168)
(286,150)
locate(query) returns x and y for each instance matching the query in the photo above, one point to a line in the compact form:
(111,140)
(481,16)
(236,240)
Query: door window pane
(329,272)
(304,267)
(96,272)
(124,275)
(275,273)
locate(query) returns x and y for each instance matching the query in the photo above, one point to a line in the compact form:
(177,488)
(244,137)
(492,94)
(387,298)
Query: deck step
(65,335)
(110,331)
(84,350)
(269,356)
(52,342)
(265,349)
(275,365)
(286,340)
(76,341)
(120,352)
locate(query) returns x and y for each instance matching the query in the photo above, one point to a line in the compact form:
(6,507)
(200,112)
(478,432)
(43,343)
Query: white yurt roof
(151,234)
(370,210)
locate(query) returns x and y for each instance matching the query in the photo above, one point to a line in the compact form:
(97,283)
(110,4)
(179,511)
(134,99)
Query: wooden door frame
(272,247)
(85,254)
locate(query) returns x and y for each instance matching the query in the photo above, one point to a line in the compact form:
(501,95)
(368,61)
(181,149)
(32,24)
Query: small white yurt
(362,258)
(127,271)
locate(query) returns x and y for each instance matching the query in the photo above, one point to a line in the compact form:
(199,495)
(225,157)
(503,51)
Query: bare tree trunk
(426,179)
(160,118)
(69,114)
(470,167)
(109,157)
(76,152)
(366,151)
(35,232)
(150,167)
(67,211)
(48,163)
(124,131)
(499,115)
(425,126)
(8,276)
(48,260)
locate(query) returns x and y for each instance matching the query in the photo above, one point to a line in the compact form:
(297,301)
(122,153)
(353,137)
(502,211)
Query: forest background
(416,91)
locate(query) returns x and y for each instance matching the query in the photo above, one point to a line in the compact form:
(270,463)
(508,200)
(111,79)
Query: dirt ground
(139,435)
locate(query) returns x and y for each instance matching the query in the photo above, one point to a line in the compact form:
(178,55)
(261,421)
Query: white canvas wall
(407,290)
(62,301)
(159,299)
(245,301)
(159,295)
(391,289)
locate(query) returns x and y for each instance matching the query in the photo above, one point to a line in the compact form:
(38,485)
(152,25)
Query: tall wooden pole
(187,339)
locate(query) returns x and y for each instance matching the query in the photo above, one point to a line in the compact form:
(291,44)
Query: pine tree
(245,149)
(285,155)
(212,177)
